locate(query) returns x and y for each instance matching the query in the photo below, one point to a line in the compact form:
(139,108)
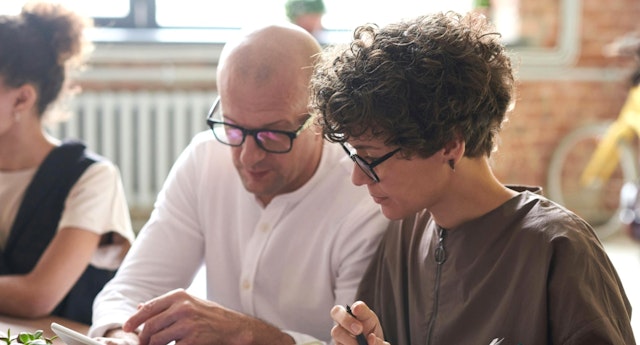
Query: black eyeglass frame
(253,132)
(365,166)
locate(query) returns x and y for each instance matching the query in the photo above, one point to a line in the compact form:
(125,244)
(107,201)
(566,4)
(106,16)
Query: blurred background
(151,80)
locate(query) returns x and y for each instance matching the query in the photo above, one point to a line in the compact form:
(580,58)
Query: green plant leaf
(37,342)
(26,338)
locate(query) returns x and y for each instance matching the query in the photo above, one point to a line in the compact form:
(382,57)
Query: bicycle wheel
(598,204)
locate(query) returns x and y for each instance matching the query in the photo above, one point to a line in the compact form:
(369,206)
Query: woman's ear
(26,98)
(454,150)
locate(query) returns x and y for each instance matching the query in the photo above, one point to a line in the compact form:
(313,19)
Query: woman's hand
(364,321)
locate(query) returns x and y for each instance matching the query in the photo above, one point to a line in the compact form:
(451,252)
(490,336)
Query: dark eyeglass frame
(253,132)
(365,166)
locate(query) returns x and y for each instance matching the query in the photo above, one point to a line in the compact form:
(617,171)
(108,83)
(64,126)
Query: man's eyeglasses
(270,140)
(365,166)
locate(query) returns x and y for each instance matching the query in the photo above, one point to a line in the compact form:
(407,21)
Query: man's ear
(26,97)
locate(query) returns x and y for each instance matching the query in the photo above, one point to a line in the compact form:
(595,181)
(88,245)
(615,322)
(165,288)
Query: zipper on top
(440,257)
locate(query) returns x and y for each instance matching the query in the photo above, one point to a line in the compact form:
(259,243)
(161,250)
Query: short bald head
(263,82)
(277,59)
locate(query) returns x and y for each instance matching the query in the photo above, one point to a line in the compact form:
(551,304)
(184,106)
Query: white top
(95,203)
(287,264)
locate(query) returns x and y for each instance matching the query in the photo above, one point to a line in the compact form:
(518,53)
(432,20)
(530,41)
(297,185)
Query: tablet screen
(71,337)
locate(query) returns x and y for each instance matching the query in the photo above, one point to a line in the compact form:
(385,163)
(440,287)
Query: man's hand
(181,317)
(347,327)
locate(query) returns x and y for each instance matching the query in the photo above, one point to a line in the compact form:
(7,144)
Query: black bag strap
(59,171)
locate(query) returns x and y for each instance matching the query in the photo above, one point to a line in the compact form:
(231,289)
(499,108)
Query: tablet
(71,337)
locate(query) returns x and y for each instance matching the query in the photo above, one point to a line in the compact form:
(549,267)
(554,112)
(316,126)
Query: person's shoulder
(205,141)
(202,137)
(551,221)
(203,148)
(533,201)
(548,209)
(103,171)
(203,158)
(105,166)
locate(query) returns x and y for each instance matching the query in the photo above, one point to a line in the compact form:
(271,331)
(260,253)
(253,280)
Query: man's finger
(148,310)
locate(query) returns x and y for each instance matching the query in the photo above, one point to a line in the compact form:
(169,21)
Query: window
(92,8)
(341,15)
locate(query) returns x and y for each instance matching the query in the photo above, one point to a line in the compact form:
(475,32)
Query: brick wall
(585,91)
(589,88)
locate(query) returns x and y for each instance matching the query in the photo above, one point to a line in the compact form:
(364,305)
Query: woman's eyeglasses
(365,166)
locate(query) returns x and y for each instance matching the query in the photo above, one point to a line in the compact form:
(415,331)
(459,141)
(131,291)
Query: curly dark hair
(39,45)
(416,84)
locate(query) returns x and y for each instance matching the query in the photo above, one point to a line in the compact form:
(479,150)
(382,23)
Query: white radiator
(141,132)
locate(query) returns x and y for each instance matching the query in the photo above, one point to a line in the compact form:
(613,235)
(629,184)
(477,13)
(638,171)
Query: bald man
(263,202)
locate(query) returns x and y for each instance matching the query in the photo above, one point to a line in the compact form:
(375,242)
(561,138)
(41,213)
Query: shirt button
(246,285)
(265,227)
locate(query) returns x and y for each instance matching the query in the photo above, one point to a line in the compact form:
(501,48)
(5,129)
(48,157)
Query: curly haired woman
(64,221)
(418,105)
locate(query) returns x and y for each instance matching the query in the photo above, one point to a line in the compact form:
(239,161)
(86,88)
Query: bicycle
(590,166)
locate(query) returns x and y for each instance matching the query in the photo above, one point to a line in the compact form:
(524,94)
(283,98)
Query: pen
(362,340)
